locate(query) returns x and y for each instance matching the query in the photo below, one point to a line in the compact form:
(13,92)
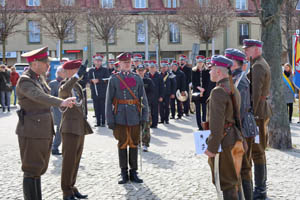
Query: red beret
(182,57)
(72,64)
(174,62)
(124,56)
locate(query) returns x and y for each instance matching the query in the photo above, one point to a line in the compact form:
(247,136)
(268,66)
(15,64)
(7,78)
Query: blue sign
(85,48)
(53,68)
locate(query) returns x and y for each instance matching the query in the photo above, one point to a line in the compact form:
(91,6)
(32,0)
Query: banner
(296,61)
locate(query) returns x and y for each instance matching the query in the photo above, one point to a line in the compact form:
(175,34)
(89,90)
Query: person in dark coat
(187,70)
(111,65)
(288,89)
(158,92)
(181,86)
(98,77)
(202,87)
(4,87)
(137,59)
(170,90)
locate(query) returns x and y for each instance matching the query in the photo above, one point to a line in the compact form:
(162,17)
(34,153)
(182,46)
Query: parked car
(20,67)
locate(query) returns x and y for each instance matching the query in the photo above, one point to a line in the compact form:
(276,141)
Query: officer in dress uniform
(137,59)
(249,129)
(98,77)
(158,92)
(125,115)
(35,126)
(149,88)
(181,86)
(260,78)
(170,91)
(111,65)
(224,131)
(187,70)
(74,127)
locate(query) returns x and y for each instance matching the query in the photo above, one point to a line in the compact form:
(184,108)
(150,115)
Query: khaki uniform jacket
(220,113)
(261,81)
(73,119)
(35,99)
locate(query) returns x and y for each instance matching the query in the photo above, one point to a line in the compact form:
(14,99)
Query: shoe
(167,122)
(172,117)
(96,125)
(8,109)
(80,196)
(124,177)
(179,117)
(153,126)
(55,152)
(187,114)
(145,148)
(102,125)
(162,122)
(70,198)
(134,177)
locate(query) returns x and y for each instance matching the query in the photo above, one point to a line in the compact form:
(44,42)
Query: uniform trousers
(164,109)
(127,135)
(198,113)
(186,105)
(246,172)
(71,151)
(35,154)
(146,133)
(179,107)
(258,150)
(154,112)
(99,106)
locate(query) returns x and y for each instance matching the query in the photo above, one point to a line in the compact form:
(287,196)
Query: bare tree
(60,18)
(158,27)
(268,12)
(105,22)
(11,16)
(206,19)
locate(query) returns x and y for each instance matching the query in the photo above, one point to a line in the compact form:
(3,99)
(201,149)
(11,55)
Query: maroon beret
(124,56)
(72,64)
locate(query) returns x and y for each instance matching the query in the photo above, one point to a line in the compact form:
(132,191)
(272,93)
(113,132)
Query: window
(34,32)
(33,2)
(203,2)
(140,31)
(171,3)
(241,4)
(174,33)
(70,31)
(67,2)
(111,39)
(243,32)
(140,3)
(107,3)
(2,3)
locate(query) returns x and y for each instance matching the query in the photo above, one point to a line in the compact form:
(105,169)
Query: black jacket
(180,80)
(187,70)
(4,78)
(169,83)
(100,73)
(149,89)
(205,83)
(158,85)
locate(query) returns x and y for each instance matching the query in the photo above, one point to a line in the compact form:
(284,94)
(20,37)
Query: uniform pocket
(38,126)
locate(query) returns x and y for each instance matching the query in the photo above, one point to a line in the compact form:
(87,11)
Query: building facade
(82,43)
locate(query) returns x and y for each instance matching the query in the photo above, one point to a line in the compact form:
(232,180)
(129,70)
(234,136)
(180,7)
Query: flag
(296,61)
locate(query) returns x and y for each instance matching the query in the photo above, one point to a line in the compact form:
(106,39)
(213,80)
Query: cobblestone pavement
(170,169)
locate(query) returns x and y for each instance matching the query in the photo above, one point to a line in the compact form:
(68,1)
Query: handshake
(82,69)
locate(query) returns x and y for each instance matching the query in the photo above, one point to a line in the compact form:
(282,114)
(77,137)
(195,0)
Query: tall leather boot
(230,194)
(29,189)
(123,162)
(133,163)
(38,188)
(260,174)
(248,189)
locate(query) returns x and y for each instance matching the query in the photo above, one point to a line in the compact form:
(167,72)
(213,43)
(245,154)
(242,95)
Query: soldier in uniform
(137,59)
(74,127)
(111,65)
(249,129)
(187,70)
(158,92)
(224,130)
(98,77)
(260,78)
(181,86)
(35,126)
(125,114)
(149,88)
(117,68)
(170,91)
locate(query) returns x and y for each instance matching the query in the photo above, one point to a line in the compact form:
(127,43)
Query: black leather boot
(38,188)
(248,189)
(260,177)
(134,177)
(133,163)
(29,189)
(123,162)
(230,194)
(78,195)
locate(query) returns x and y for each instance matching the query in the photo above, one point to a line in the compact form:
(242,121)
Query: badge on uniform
(200,138)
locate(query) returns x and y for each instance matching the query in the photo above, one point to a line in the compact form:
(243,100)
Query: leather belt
(126,102)
(228,125)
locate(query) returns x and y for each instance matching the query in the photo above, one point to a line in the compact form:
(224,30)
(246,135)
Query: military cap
(252,43)
(152,63)
(98,57)
(174,62)
(36,55)
(124,56)
(117,64)
(72,64)
(208,60)
(111,61)
(235,54)
(221,61)
(182,57)
(140,67)
(137,57)
(164,63)
(200,59)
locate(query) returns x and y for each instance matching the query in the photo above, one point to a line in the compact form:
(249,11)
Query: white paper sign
(200,138)
(256,141)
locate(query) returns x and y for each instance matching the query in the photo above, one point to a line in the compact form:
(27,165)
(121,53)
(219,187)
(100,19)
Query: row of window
(34,33)
(239,4)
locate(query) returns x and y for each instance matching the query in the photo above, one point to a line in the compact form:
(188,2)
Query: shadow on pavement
(139,191)
(164,133)
(157,160)
(292,152)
